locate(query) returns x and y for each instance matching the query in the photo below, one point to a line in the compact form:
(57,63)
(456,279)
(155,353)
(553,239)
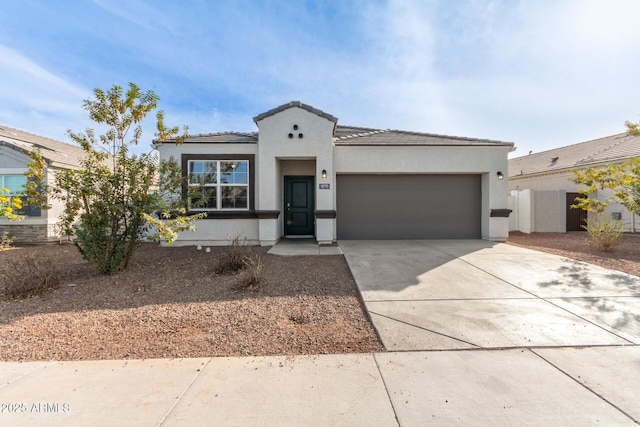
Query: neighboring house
(38,226)
(302,175)
(541,190)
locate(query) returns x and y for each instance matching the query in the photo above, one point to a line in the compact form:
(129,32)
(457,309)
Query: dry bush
(253,276)
(232,259)
(605,232)
(28,276)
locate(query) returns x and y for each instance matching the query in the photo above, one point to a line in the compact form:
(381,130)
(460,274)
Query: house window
(15,184)
(218,184)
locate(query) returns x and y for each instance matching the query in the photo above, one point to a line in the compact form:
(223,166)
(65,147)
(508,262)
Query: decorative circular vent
(290,136)
(300,135)
(295,127)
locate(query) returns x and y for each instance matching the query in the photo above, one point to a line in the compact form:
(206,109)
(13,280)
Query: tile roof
(222,138)
(350,135)
(343,135)
(365,136)
(610,149)
(55,152)
(292,104)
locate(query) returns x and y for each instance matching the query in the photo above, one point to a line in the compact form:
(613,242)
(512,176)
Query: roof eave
(407,144)
(293,104)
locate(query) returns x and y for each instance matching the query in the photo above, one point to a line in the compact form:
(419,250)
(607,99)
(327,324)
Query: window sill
(239,214)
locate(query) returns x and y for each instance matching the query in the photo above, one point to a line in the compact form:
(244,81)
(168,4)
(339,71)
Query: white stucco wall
(538,211)
(280,155)
(220,232)
(550,213)
(547,182)
(525,203)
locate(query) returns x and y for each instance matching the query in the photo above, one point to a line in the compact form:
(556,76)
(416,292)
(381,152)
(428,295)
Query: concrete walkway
(297,247)
(571,332)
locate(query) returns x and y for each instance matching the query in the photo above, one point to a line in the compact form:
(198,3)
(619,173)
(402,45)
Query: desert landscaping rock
(575,245)
(169,303)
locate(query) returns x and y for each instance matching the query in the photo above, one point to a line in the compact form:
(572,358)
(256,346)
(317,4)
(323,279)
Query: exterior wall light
(324,173)
(500,176)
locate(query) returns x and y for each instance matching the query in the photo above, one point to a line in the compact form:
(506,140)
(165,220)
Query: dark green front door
(298,206)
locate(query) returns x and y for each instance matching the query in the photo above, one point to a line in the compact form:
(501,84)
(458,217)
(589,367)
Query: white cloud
(35,99)
(542,74)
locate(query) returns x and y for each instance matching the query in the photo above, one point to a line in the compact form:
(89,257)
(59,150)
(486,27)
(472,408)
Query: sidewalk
(551,387)
(483,334)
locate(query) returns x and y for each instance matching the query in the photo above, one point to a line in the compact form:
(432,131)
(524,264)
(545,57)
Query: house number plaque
(324,186)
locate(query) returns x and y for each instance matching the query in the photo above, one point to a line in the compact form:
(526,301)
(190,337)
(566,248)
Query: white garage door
(386,207)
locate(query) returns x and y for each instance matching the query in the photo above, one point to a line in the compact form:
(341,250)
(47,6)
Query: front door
(298,206)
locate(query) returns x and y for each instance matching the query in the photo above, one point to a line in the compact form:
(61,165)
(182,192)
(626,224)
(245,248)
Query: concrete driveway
(470,294)
(493,334)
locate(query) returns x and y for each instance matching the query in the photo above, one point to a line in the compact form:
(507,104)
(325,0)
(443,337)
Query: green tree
(633,129)
(117,197)
(622,178)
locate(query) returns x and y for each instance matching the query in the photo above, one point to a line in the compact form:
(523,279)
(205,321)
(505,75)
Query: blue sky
(540,73)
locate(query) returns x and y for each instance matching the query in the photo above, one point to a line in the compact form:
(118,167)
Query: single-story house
(303,175)
(541,189)
(38,226)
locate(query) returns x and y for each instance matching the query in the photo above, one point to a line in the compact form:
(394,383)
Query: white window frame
(219,185)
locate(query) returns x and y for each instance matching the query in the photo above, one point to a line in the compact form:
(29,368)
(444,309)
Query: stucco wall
(220,232)
(485,161)
(550,213)
(275,144)
(548,182)
(538,211)
(279,155)
(553,217)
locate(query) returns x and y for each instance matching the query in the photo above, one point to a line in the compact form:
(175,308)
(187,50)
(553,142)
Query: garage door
(408,207)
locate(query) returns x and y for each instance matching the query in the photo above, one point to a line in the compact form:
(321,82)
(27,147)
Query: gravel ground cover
(575,245)
(170,303)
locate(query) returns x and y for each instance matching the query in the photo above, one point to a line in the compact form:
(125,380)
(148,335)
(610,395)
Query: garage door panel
(408,206)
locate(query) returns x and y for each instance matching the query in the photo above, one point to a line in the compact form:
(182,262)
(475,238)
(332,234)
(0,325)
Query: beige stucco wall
(550,216)
(485,161)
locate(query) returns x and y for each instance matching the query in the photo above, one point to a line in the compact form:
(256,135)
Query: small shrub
(231,260)
(605,232)
(6,240)
(28,276)
(253,276)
